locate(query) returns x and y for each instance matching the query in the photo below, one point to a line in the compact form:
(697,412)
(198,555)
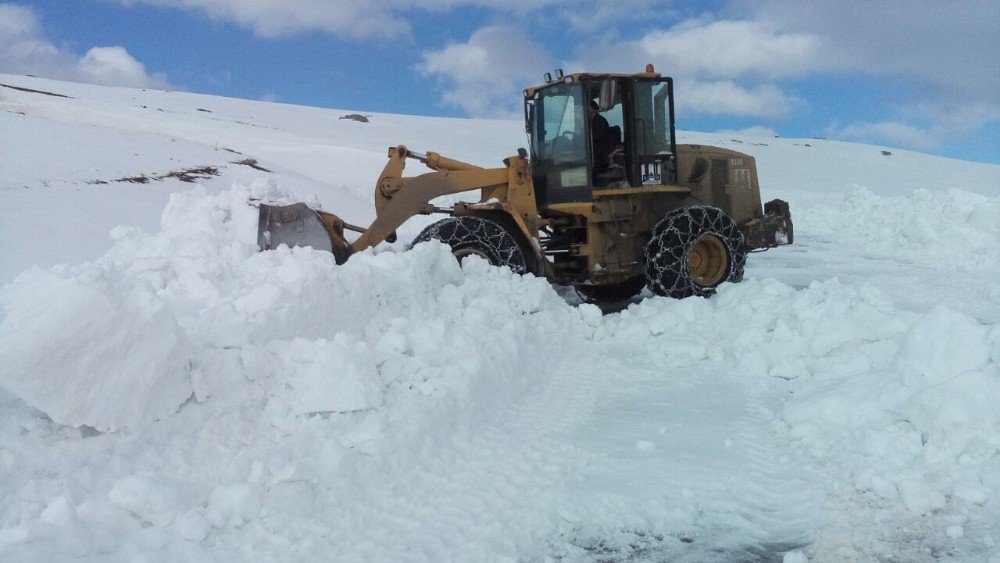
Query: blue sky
(916,75)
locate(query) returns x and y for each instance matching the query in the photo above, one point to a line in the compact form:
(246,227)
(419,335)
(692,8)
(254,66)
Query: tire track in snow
(486,493)
(781,496)
(600,457)
(697,472)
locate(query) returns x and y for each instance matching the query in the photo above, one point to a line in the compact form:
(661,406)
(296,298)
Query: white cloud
(601,16)
(954,119)
(24,50)
(113,66)
(730,49)
(942,56)
(345,18)
(712,49)
(947,52)
(273,18)
(950,44)
(707,58)
(755,131)
(931,125)
(894,133)
(724,97)
(485,76)
(18,21)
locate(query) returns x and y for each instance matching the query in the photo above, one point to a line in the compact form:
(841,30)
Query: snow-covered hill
(168,392)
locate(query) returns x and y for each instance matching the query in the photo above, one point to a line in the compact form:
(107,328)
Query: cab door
(557,125)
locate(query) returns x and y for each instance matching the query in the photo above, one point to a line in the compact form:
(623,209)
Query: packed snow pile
(925,226)
(266,369)
(278,352)
(927,409)
(118,342)
(905,407)
(69,347)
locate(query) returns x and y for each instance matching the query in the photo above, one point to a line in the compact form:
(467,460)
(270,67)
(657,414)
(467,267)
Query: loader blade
(300,225)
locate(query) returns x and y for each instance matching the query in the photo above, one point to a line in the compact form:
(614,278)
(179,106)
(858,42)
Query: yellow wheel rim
(461,253)
(708,260)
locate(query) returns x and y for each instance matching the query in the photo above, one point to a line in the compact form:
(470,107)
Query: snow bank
(289,358)
(194,309)
(912,437)
(88,350)
(766,328)
(905,408)
(303,372)
(101,344)
(954,225)
(930,417)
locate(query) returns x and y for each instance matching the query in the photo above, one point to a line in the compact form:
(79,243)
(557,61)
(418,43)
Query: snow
(57,328)
(168,392)
(151,497)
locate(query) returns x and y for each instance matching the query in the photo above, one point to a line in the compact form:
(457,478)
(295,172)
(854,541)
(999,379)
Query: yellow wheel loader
(605,201)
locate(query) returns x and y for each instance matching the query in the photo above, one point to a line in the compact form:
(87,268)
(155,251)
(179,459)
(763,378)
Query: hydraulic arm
(396,200)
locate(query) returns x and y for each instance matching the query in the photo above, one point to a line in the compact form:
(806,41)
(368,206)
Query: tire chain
(673,237)
(477,233)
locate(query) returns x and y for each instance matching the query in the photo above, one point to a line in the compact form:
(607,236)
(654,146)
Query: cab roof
(586,76)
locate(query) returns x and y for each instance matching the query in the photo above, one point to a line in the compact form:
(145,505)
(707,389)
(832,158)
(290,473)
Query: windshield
(559,125)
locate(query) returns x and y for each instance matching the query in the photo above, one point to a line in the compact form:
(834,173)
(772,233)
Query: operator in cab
(606,141)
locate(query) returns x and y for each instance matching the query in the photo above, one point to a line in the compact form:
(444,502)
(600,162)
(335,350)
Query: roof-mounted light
(650,69)
(559,74)
(548,77)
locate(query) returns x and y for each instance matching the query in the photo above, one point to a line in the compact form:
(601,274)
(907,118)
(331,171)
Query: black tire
(692,250)
(471,235)
(612,293)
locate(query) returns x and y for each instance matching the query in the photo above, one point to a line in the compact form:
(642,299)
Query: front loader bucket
(300,225)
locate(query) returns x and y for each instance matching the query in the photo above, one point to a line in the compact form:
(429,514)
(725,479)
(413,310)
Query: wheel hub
(462,253)
(708,260)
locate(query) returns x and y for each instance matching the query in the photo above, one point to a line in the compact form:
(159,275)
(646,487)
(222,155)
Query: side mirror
(608,95)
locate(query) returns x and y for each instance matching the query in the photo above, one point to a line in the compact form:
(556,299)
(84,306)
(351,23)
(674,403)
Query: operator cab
(629,143)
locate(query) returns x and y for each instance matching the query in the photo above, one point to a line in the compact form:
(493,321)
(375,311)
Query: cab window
(560,122)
